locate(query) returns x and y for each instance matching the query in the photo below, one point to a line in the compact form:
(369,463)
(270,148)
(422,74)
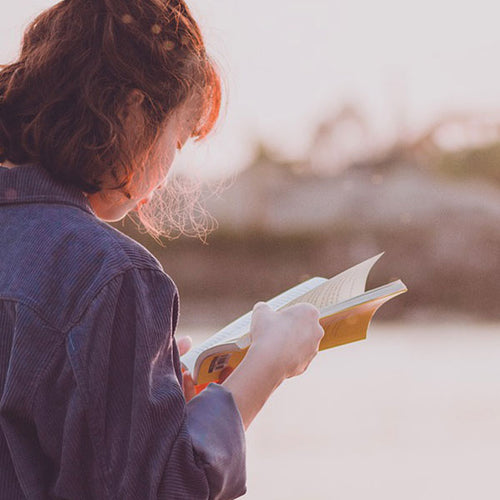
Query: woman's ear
(132,114)
(134,101)
(135,98)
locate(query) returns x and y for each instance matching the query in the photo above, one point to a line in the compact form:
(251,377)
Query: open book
(346,311)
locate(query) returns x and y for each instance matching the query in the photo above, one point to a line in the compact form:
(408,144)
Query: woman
(93,403)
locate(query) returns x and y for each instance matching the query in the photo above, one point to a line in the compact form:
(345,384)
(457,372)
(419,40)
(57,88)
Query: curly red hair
(63,102)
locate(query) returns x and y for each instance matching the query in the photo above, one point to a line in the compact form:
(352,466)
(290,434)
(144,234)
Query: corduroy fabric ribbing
(91,404)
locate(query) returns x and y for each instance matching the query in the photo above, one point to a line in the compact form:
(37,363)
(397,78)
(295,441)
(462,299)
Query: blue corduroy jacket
(91,404)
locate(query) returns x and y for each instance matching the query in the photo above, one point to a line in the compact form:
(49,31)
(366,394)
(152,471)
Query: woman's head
(99,85)
(114,204)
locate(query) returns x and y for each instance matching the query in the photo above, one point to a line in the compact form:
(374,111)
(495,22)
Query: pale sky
(290,63)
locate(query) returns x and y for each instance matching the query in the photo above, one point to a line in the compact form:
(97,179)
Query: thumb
(258,313)
(184,344)
(261,305)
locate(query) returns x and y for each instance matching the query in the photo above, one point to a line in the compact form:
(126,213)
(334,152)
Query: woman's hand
(287,339)
(184,344)
(283,344)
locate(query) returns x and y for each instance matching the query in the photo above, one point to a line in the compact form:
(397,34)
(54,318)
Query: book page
(241,326)
(318,291)
(345,285)
(343,323)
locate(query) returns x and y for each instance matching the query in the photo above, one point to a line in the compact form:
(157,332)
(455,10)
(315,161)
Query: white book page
(321,292)
(385,291)
(345,285)
(241,326)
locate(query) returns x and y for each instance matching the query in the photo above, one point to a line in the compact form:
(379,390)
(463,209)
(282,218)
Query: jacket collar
(31,183)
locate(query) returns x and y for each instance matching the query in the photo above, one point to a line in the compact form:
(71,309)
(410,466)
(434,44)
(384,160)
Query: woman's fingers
(184,344)
(188,386)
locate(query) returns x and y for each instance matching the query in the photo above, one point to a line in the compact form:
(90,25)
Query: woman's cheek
(136,208)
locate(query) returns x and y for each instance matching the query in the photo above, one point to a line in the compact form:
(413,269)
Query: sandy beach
(412,412)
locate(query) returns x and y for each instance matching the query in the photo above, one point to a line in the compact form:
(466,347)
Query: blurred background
(353,128)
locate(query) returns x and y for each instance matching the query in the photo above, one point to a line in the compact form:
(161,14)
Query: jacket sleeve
(147,442)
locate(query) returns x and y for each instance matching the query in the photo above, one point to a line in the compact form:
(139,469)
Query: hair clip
(169,45)
(156,29)
(127,19)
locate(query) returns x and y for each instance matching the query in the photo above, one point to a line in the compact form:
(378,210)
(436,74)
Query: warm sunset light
(250,249)
(290,64)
